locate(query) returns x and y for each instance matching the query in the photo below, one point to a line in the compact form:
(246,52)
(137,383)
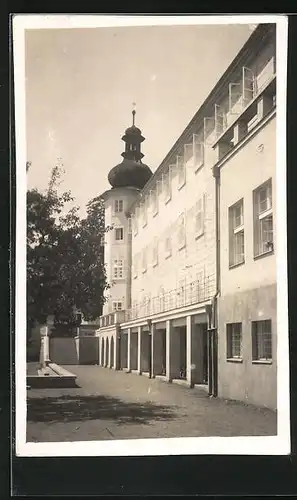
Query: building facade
(195,302)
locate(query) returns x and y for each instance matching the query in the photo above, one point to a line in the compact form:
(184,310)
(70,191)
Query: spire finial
(133,112)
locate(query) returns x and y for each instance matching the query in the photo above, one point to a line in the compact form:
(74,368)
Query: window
(119,233)
(198,146)
(146,304)
(236,228)
(135,223)
(263,219)
(144,262)
(181,231)
(155,252)
(181,170)
(220,119)
(262,340)
(117,306)
(154,201)
(252,122)
(181,292)
(234,340)
(249,85)
(118,206)
(199,217)
(129,225)
(188,154)
(167,187)
(118,269)
(143,214)
(168,246)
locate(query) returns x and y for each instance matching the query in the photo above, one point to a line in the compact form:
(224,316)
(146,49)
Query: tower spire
(133,113)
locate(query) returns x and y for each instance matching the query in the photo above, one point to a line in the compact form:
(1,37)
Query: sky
(81,83)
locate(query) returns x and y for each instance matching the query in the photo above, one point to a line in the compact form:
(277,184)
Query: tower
(127,179)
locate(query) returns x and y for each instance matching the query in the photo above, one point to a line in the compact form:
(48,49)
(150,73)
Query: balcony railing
(194,293)
(113,318)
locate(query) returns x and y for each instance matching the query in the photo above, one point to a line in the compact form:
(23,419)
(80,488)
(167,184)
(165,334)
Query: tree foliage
(65,259)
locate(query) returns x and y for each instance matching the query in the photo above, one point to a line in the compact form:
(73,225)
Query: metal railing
(193,293)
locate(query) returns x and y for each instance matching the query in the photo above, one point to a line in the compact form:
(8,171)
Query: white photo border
(274,445)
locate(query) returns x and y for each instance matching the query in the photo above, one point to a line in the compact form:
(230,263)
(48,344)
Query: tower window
(119,233)
(118,206)
(117,305)
(118,269)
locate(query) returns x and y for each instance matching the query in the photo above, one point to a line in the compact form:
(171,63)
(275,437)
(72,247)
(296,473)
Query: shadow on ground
(83,408)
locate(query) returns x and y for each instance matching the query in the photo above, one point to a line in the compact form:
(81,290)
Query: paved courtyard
(116,405)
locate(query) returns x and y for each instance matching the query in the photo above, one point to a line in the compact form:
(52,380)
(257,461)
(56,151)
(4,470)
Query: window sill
(199,168)
(144,271)
(181,185)
(155,264)
(265,254)
(182,246)
(168,255)
(155,213)
(167,200)
(234,360)
(144,225)
(199,235)
(233,266)
(262,361)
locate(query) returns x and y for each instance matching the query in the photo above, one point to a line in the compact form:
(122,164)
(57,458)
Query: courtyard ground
(110,404)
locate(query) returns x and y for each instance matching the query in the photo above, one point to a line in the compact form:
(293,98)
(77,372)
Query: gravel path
(115,405)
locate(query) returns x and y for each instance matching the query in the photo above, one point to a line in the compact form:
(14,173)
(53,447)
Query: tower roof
(131,172)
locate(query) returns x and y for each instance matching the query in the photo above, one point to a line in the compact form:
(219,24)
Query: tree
(65,258)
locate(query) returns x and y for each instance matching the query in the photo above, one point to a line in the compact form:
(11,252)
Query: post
(46,358)
(168,351)
(118,360)
(129,350)
(139,351)
(150,340)
(189,357)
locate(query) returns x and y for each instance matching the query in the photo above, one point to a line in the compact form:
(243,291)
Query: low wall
(88,350)
(63,350)
(34,345)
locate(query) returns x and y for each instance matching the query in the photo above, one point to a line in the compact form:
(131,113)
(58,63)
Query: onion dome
(131,172)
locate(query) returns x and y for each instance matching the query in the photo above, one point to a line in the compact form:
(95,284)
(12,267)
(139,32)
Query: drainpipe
(214,318)
(149,322)
(216,174)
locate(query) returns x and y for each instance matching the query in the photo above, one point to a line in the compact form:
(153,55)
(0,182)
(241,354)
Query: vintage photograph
(152,204)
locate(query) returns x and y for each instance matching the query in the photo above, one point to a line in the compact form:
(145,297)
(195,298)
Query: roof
(246,53)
